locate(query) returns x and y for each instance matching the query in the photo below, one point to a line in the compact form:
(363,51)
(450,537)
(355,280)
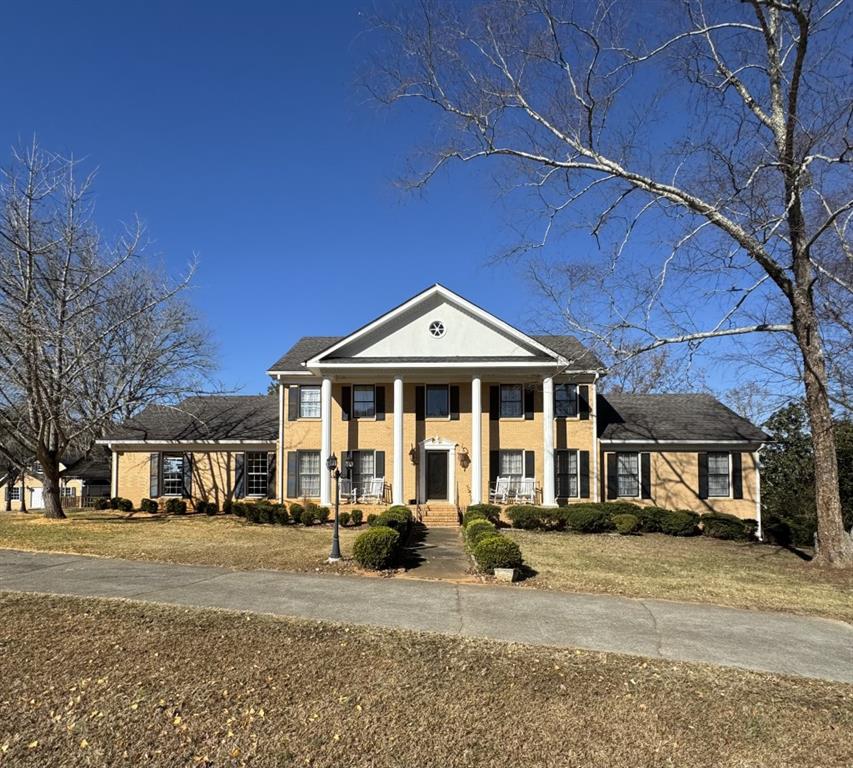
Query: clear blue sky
(236,131)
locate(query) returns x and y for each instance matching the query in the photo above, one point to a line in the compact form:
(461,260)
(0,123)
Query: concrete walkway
(437,553)
(770,642)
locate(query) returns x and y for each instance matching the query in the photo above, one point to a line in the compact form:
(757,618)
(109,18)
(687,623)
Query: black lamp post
(332,466)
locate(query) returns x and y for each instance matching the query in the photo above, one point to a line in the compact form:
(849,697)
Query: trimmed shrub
(679,522)
(620,508)
(399,518)
(371,519)
(309,514)
(176,507)
(253,514)
(296,511)
(356,516)
(588,519)
(488,512)
(477,530)
(238,508)
(650,518)
(626,524)
(322,514)
(148,505)
(343,518)
(280,513)
(102,504)
(114,502)
(376,548)
(227,507)
(399,508)
(497,552)
(526,517)
(719,525)
(125,505)
(470,515)
(208,507)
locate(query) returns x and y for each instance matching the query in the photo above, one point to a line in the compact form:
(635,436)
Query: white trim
(476,440)
(114,475)
(596,493)
(437,444)
(548,499)
(279,470)
(756,459)
(650,441)
(202,443)
(478,365)
(325,440)
(397,478)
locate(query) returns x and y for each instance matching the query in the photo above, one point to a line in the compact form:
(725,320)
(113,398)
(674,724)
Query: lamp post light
(332,466)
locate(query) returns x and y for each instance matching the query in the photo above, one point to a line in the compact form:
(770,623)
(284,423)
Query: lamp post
(332,466)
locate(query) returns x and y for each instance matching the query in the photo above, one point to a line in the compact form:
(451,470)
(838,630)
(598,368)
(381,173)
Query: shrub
(266,512)
(149,505)
(488,512)
(399,518)
(309,514)
(125,505)
(343,517)
(650,518)
(227,507)
(253,514)
(588,519)
(722,526)
(176,507)
(526,517)
(280,512)
(208,508)
(497,552)
(238,508)
(102,504)
(477,530)
(620,508)
(626,524)
(296,511)
(679,522)
(399,508)
(469,515)
(356,516)
(322,514)
(371,519)
(376,548)
(114,502)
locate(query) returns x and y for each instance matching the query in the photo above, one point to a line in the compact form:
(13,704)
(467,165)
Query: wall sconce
(413,455)
(464,458)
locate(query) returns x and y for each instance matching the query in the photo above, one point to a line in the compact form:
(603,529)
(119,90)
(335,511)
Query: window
(14,493)
(437,401)
(511,465)
(718,474)
(565,401)
(309,474)
(628,474)
(257,477)
(566,465)
(67,492)
(173,475)
(512,401)
(363,401)
(309,402)
(363,469)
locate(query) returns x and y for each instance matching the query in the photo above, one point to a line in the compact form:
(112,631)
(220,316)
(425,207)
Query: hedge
(398,517)
(208,508)
(525,517)
(497,551)
(626,524)
(376,548)
(476,530)
(586,519)
(719,525)
(149,505)
(488,512)
(176,507)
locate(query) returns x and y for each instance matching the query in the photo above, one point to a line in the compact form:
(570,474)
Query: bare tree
(88,333)
(719,129)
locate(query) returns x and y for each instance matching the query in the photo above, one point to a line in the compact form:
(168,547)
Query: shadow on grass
(525,572)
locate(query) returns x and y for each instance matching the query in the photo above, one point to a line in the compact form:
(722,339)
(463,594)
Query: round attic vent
(436,329)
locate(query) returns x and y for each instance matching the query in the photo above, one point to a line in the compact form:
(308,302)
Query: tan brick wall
(675,484)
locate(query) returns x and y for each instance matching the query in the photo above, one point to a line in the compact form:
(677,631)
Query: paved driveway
(771,642)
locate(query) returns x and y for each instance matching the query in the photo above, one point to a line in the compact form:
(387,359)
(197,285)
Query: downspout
(113,473)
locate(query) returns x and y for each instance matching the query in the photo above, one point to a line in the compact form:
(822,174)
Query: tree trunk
(834,544)
(52,497)
(24,492)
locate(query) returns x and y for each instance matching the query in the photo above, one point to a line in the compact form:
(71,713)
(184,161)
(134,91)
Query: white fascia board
(183,443)
(676,444)
(333,365)
(288,373)
(440,290)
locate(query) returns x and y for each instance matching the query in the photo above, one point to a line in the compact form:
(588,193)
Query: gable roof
(672,418)
(211,417)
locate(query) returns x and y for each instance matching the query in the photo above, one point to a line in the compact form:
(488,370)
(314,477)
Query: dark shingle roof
(92,468)
(308,346)
(211,417)
(671,417)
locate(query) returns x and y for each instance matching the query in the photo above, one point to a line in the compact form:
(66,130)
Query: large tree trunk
(834,544)
(52,497)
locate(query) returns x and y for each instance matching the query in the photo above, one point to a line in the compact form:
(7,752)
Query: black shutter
(154,475)
(239,475)
(345,470)
(529,464)
(583,402)
(292,403)
(645,476)
(583,461)
(188,476)
(703,475)
(494,465)
(528,403)
(494,402)
(420,403)
(380,402)
(379,464)
(346,402)
(612,477)
(737,475)
(271,489)
(454,402)
(292,474)
(561,469)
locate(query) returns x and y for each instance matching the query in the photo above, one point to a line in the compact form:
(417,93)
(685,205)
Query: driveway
(768,642)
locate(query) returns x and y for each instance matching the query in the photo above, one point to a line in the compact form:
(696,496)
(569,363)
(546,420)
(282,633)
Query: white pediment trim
(436,290)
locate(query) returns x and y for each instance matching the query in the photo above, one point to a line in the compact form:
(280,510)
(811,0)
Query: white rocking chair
(525,492)
(349,494)
(500,493)
(374,491)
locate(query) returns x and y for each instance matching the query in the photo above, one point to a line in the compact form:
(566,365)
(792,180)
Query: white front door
(37,498)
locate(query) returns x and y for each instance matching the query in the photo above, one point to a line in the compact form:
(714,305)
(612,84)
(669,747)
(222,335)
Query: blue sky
(237,132)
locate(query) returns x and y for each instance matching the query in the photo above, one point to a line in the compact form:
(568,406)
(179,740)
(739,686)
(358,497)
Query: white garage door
(37,498)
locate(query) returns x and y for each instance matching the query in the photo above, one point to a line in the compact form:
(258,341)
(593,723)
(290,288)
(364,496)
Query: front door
(436,475)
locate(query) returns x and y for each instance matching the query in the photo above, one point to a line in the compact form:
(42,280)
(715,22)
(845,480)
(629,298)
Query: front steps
(439,515)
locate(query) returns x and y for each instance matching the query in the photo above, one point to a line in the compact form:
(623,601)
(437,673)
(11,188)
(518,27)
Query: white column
(397,480)
(476,440)
(548,442)
(756,462)
(113,474)
(325,440)
(279,470)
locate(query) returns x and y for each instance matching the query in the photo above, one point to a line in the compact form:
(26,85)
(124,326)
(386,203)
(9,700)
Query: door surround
(437,444)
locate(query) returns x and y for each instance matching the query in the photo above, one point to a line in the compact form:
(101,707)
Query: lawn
(88,682)
(741,575)
(197,539)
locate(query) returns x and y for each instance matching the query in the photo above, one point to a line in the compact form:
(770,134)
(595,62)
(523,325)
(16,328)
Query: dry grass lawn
(195,539)
(105,683)
(700,569)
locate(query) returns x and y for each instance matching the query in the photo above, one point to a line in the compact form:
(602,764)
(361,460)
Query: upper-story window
(437,401)
(363,401)
(718,474)
(512,401)
(565,400)
(309,402)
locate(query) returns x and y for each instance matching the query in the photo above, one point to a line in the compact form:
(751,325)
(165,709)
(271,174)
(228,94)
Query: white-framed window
(257,473)
(66,491)
(14,493)
(628,475)
(309,474)
(568,473)
(719,473)
(309,402)
(511,464)
(363,468)
(173,474)
(512,401)
(565,400)
(437,404)
(363,401)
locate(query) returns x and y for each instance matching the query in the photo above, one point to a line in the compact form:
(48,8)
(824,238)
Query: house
(82,477)
(438,403)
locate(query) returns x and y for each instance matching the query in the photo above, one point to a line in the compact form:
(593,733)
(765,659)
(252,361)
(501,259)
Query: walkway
(770,642)
(437,553)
